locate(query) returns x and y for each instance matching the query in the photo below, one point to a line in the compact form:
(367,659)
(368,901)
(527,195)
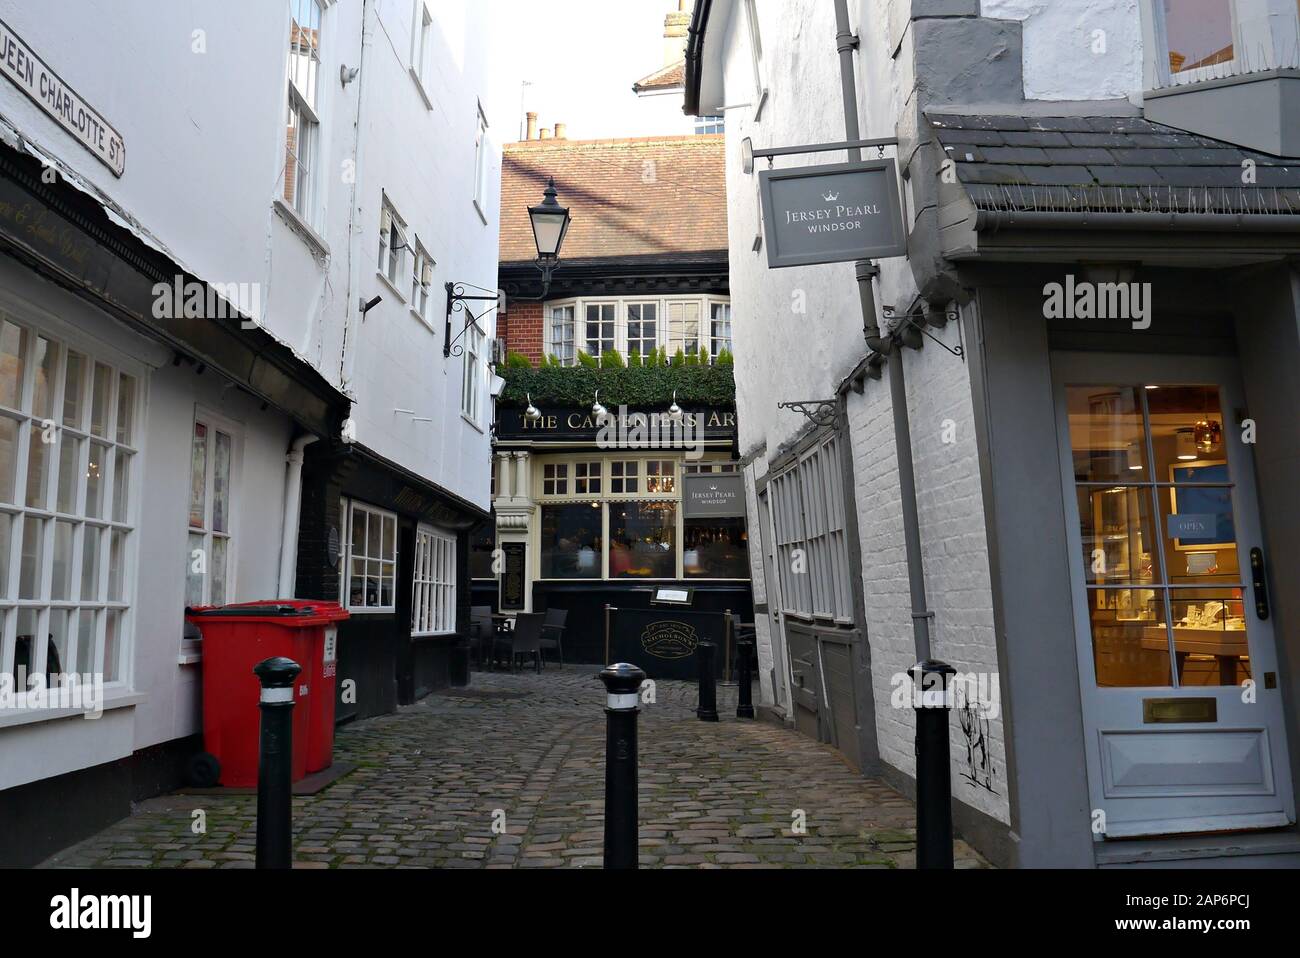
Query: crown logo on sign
(713,487)
(830,197)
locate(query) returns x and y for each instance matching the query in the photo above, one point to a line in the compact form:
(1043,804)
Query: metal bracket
(909,321)
(820,412)
(456,300)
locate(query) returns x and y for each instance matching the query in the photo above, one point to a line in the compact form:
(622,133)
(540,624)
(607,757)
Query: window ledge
(15,717)
(301,227)
(471,422)
(189,658)
(392,286)
(419,86)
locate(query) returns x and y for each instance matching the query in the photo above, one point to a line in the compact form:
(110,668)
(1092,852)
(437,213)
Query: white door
(1178,670)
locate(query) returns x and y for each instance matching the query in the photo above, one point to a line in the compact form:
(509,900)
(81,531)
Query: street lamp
(550,223)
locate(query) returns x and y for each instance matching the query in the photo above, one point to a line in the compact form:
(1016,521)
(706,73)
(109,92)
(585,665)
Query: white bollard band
(625,700)
(277,695)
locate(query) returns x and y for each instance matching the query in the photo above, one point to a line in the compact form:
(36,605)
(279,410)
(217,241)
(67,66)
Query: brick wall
(521,329)
(953,543)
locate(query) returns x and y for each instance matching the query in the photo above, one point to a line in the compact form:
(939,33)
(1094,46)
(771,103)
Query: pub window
(642,328)
(562,345)
(482,542)
(571,540)
(719,329)
(586,478)
(715,548)
(659,475)
(684,327)
(643,540)
(371,559)
(555,479)
(623,476)
(601,319)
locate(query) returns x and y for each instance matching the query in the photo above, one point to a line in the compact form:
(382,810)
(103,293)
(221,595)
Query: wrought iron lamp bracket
(909,320)
(820,412)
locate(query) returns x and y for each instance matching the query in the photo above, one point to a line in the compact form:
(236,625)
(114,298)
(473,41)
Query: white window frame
(299,104)
(433,582)
(617,321)
(472,379)
(562,347)
(353,507)
(29,427)
(710,124)
(665,336)
(655,342)
(421,49)
(420,297)
(481,164)
(215,423)
(1246,35)
(715,341)
(391,267)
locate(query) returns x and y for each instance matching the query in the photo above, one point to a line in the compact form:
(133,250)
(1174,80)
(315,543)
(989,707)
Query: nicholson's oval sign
(832,214)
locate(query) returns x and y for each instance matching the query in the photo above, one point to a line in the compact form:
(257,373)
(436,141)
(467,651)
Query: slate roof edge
(1039,108)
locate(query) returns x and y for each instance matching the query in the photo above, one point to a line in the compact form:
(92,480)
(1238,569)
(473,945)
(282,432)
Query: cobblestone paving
(433,778)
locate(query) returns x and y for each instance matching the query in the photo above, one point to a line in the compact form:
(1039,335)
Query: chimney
(561,131)
(544,133)
(676,26)
(532,126)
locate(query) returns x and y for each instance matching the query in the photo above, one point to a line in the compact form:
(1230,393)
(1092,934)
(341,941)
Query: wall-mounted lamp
(597,410)
(532,413)
(368,306)
(346,74)
(497,386)
(675,411)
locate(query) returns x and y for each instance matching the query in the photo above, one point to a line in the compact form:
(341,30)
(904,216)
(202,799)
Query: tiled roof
(652,196)
(673,75)
(1109,164)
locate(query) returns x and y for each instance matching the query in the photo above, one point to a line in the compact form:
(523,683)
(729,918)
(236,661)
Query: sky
(581,58)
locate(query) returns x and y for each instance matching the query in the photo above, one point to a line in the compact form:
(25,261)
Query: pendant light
(1186,445)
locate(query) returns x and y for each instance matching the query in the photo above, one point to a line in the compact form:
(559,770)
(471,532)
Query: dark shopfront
(390,547)
(584,523)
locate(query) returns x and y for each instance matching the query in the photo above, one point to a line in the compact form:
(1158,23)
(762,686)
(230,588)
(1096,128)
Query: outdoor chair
(527,640)
(501,641)
(553,633)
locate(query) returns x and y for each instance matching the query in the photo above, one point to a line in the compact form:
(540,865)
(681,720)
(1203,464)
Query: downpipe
(292,503)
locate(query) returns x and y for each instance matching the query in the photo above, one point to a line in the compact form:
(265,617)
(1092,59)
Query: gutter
(695,56)
(1189,222)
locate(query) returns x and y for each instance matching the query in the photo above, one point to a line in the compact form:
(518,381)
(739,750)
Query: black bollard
(745,703)
(707,709)
(622,685)
(275,763)
(933,779)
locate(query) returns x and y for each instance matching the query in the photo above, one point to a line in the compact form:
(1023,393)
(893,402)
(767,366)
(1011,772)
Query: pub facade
(614,471)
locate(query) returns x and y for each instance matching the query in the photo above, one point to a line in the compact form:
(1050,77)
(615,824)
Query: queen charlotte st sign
(834,213)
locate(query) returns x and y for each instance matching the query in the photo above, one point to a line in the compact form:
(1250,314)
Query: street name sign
(835,213)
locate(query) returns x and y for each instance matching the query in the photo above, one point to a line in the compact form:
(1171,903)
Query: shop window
(571,540)
(209,562)
(715,549)
(1166,595)
(555,479)
(586,478)
(642,540)
(482,543)
(623,476)
(68,437)
(659,475)
(371,559)
(433,583)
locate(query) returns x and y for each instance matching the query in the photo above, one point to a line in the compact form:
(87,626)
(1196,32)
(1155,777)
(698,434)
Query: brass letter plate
(1180,710)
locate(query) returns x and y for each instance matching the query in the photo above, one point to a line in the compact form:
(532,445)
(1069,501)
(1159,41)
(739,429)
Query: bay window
(637,327)
(642,329)
(600,328)
(68,452)
(719,329)
(561,330)
(683,327)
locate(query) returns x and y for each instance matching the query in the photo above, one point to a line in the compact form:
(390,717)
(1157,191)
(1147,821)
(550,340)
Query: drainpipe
(352,317)
(866,271)
(292,501)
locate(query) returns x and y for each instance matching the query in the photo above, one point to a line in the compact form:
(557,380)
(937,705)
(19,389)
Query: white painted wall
(660,114)
(1077,50)
(798,333)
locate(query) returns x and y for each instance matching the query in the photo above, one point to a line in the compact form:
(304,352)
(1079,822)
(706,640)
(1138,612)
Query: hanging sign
(26,70)
(835,213)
